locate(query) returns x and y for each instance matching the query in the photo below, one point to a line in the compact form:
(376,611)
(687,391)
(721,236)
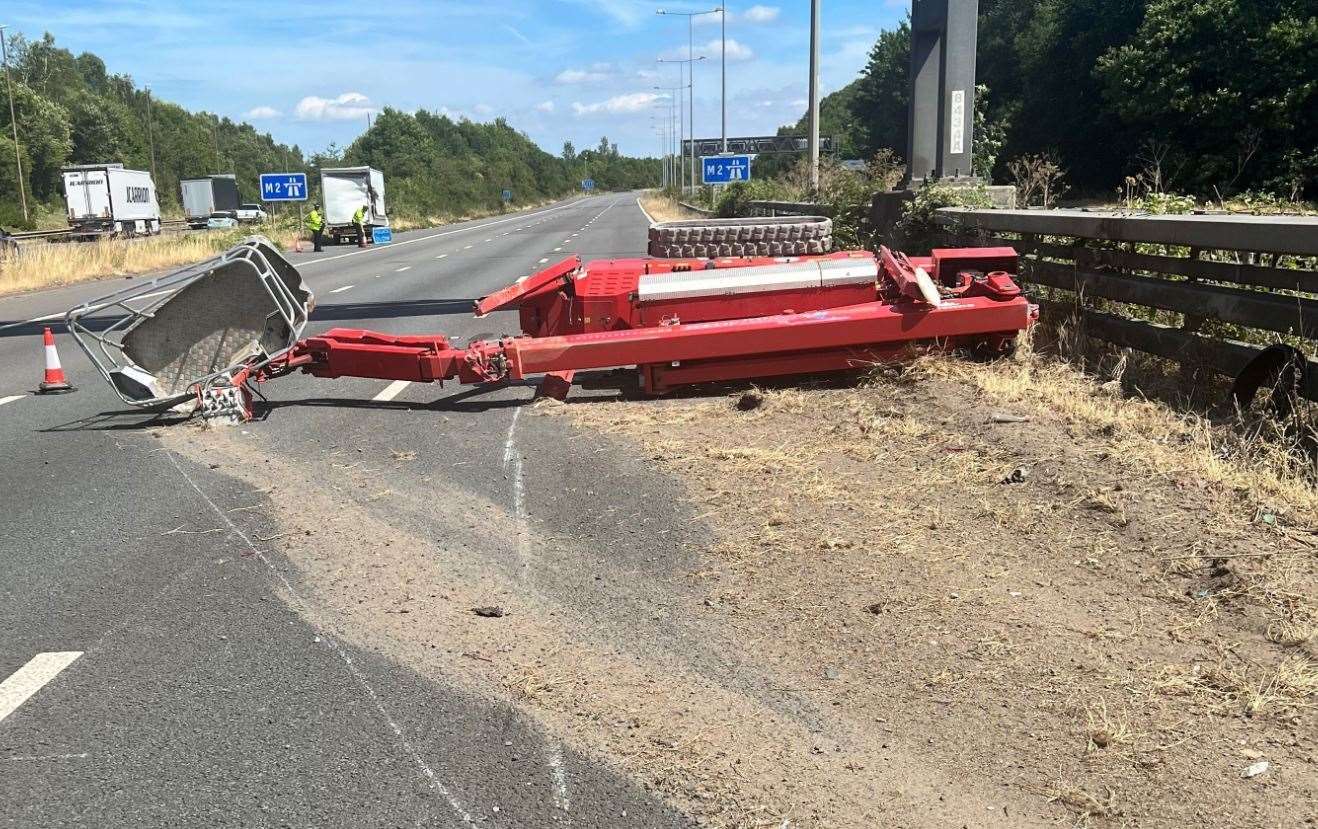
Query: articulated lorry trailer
(204,197)
(345,190)
(107,200)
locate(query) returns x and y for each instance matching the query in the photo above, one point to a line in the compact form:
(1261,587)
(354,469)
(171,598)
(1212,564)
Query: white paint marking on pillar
(404,268)
(30,678)
(10,399)
(333,644)
(341,290)
(392,390)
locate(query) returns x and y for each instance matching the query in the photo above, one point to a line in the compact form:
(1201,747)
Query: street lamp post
(674,113)
(13,122)
(151,137)
(689,130)
(814,96)
(691,79)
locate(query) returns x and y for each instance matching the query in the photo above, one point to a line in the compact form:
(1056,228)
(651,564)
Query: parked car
(221,221)
(251,213)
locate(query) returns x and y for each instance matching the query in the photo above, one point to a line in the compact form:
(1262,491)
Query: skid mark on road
(32,677)
(334,646)
(512,468)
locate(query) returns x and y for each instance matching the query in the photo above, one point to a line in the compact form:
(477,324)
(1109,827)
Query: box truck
(107,200)
(346,189)
(204,197)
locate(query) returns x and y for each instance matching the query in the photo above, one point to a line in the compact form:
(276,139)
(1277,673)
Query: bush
(918,229)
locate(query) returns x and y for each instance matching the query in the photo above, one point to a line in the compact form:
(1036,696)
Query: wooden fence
(1255,273)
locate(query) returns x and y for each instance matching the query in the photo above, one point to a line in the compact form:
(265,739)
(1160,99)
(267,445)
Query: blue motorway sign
(381,235)
(588,184)
(283,187)
(725,169)
(507,195)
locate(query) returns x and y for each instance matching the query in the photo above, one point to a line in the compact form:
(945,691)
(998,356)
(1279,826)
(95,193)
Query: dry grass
(40,266)
(664,208)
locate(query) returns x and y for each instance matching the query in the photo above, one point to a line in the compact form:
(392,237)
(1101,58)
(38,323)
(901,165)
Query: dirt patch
(663,208)
(1080,601)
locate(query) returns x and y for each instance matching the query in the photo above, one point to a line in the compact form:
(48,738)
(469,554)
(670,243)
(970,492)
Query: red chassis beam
(873,326)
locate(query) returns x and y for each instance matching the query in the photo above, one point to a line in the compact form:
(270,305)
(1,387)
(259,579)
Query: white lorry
(344,190)
(107,200)
(205,197)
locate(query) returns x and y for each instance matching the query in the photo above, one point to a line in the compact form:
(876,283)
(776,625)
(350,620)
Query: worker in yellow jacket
(359,219)
(316,224)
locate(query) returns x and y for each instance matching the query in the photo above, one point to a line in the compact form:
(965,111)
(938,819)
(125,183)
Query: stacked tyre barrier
(708,238)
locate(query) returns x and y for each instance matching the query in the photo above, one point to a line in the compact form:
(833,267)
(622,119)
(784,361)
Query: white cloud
(627,12)
(617,105)
(545,106)
(761,14)
(737,51)
(570,76)
(483,109)
(346,107)
(262,113)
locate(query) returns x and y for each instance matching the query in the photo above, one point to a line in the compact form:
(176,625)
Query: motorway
(210,627)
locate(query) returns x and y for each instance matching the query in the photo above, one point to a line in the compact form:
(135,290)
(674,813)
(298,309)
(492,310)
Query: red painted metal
(577,316)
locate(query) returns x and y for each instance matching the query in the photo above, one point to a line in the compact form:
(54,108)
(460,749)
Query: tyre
(786,236)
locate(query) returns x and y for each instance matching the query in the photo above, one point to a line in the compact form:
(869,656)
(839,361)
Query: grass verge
(40,266)
(665,208)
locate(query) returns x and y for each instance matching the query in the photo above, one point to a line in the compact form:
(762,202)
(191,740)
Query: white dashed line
(556,250)
(542,261)
(468,247)
(341,290)
(392,390)
(489,240)
(30,678)
(404,268)
(441,256)
(10,399)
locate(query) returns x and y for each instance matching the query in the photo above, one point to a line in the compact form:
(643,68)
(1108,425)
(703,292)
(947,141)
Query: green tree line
(1206,97)
(71,110)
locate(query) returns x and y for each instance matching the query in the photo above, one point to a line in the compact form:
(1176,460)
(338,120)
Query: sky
(310,73)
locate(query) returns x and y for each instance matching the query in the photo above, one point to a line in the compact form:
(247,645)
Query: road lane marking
(542,261)
(333,644)
(556,250)
(341,290)
(404,268)
(94,308)
(489,240)
(441,256)
(468,247)
(391,391)
(431,236)
(30,678)
(10,399)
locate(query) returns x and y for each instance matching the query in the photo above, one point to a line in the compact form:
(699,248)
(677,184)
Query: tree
(882,97)
(569,152)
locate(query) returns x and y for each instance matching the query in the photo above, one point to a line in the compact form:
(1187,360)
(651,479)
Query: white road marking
(30,678)
(554,756)
(468,247)
(404,268)
(61,314)
(556,250)
(542,261)
(392,390)
(489,240)
(10,399)
(441,256)
(431,236)
(338,650)
(648,217)
(341,290)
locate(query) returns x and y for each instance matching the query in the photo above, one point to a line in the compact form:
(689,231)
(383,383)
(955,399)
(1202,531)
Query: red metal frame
(576,317)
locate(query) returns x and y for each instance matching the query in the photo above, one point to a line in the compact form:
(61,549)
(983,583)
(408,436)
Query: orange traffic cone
(55,381)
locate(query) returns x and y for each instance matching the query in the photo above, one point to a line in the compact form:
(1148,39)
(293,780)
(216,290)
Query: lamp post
(151,137)
(13,122)
(689,171)
(674,115)
(691,78)
(814,96)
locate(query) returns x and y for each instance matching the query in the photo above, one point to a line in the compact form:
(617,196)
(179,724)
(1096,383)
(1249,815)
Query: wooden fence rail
(1228,270)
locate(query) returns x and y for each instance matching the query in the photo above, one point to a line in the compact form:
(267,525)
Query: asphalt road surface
(160,663)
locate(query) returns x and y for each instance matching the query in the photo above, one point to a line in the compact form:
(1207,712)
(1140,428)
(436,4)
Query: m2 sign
(283,187)
(725,169)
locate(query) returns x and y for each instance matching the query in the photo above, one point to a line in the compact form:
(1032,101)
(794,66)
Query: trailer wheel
(787,236)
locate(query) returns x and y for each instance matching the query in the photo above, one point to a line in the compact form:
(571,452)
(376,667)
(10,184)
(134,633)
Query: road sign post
(725,169)
(507,196)
(587,184)
(283,187)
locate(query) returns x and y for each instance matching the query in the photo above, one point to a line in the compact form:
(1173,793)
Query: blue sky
(309,72)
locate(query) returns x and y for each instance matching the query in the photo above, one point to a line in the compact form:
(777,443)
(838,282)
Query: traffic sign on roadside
(507,196)
(283,187)
(381,235)
(588,184)
(725,169)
